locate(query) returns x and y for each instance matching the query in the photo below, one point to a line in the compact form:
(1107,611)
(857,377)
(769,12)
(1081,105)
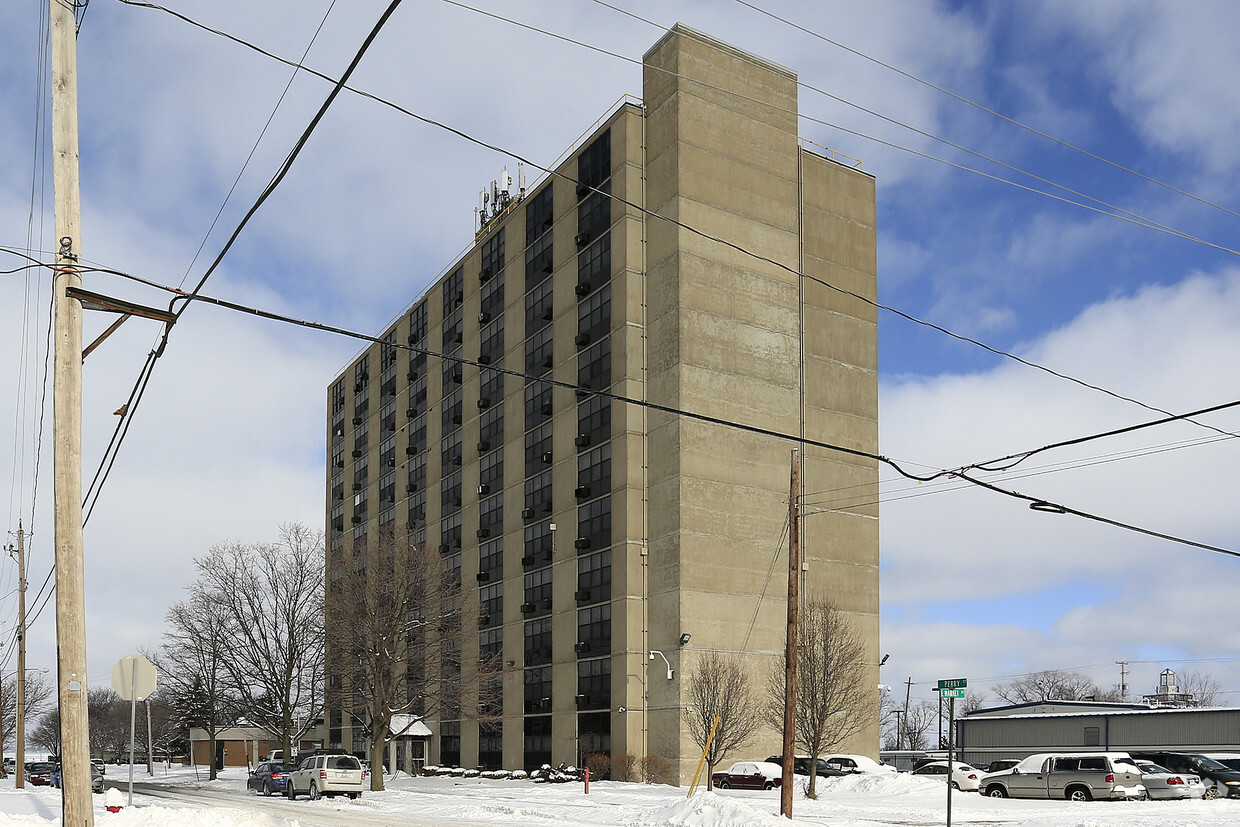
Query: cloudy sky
(1139,116)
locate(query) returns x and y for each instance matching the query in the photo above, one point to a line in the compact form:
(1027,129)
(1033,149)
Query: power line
(1112,210)
(982,107)
(645,211)
(1036,503)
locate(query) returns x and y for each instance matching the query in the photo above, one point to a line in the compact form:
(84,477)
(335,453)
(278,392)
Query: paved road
(307,813)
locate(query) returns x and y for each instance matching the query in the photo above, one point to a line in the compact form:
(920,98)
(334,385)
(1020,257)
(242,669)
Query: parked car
(321,775)
(39,773)
(98,764)
(1220,780)
(1076,776)
(276,755)
(96,778)
(1161,782)
(857,763)
(1002,764)
(801,764)
(268,777)
(963,776)
(749,775)
(1227,759)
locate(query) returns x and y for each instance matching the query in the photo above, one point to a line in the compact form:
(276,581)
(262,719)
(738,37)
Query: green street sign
(951,693)
(953,683)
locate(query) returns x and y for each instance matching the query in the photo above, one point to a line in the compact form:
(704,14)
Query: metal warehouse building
(1068,726)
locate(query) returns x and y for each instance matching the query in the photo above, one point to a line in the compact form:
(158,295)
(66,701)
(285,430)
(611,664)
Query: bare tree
(38,696)
(973,701)
(1201,685)
(719,689)
(191,665)
(1052,685)
(47,733)
(394,643)
(834,700)
(109,722)
(272,598)
(917,724)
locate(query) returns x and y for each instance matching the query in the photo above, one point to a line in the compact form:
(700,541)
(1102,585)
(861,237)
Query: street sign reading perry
(953,683)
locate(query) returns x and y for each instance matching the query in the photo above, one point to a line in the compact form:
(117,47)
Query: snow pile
(160,817)
(898,783)
(711,810)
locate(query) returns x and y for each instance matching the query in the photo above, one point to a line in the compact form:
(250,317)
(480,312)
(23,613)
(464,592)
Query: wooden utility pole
(77,809)
(20,719)
(790,651)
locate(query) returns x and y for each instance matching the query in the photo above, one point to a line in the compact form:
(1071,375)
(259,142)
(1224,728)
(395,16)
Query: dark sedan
(269,777)
(40,773)
(749,775)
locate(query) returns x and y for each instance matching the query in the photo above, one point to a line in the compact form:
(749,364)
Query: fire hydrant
(113,800)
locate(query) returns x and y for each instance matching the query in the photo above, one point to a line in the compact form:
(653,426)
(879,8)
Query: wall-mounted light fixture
(685,638)
(670,671)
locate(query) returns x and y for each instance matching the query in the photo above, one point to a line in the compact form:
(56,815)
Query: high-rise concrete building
(592,534)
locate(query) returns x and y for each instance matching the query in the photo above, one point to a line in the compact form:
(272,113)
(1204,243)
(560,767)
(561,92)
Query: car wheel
(290,792)
(1144,795)
(724,785)
(1211,793)
(355,795)
(768,786)
(266,788)
(996,792)
(955,786)
(314,791)
(1078,794)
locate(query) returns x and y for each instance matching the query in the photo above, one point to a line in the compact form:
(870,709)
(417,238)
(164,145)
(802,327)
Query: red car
(749,775)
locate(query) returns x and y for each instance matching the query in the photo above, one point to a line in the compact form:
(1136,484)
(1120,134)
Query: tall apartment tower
(604,545)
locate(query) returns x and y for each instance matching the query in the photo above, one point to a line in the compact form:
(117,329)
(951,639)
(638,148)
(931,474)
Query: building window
(417,511)
(417,324)
(1092,736)
(538,690)
(594,164)
(451,412)
(538,642)
(539,307)
(453,291)
(594,317)
(594,578)
(491,607)
(453,334)
(594,367)
(417,365)
(539,354)
(594,214)
(538,214)
(450,534)
(417,437)
(594,631)
(338,396)
(538,544)
(491,429)
(388,351)
(491,351)
(450,492)
(594,525)
(492,263)
(491,745)
(450,455)
(417,396)
(492,388)
(594,473)
(538,407)
(537,593)
(491,517)
(538,450)
(537,741)
(594,683)
(537,497)
(450,743)
(594,266)
(417,474)
(387,454)
(491,473)
(538,248)
(361,375)
(593,421)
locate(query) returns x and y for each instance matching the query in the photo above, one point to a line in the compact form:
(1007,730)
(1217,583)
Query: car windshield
(1150,766)
(1203,763)
(279,768)
(42,767)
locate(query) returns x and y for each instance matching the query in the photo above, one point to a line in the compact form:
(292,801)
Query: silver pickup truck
(1074,776)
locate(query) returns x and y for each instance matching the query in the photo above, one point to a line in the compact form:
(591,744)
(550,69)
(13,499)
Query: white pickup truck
(1075,776)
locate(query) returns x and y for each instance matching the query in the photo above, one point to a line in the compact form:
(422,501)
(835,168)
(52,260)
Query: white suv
(320,775)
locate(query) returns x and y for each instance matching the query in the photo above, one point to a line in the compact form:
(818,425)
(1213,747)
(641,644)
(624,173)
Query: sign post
(133,677)
(951,688)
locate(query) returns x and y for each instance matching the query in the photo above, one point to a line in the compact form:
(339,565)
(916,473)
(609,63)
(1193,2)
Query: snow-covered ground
(859,801)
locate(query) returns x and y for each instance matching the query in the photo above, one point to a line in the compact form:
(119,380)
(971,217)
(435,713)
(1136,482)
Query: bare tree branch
(719,688)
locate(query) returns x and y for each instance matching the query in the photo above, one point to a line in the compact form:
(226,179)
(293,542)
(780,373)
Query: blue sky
(229,441)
